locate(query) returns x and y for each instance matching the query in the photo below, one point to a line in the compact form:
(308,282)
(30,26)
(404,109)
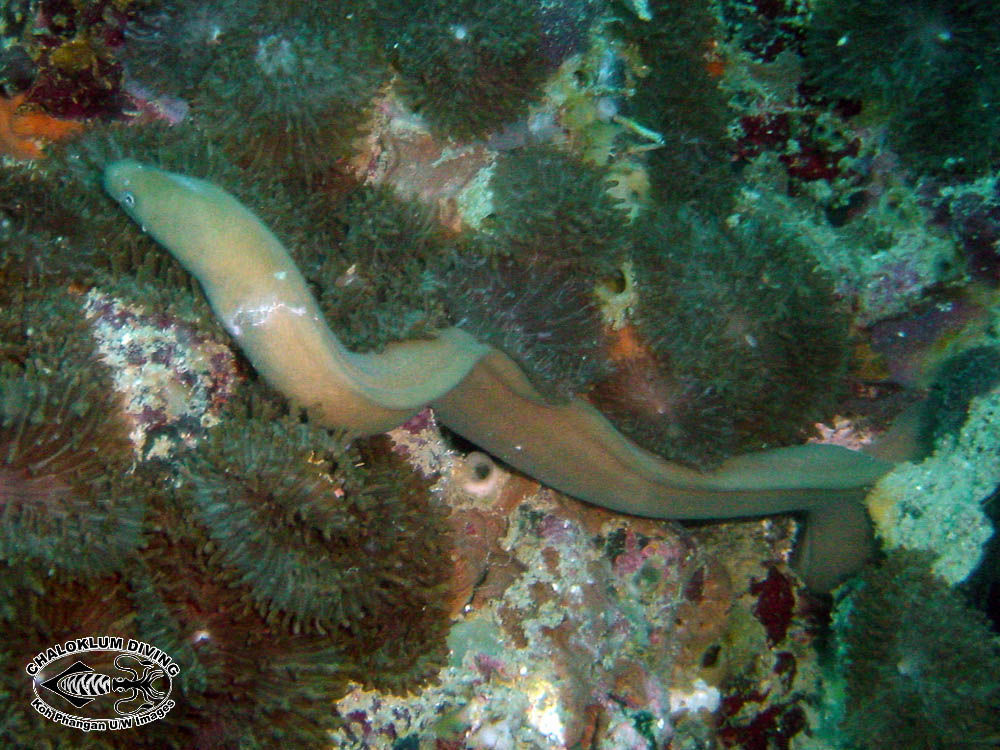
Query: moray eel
(262,299)
(479,392)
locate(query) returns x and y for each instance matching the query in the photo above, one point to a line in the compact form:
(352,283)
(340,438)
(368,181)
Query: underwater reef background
(729,225)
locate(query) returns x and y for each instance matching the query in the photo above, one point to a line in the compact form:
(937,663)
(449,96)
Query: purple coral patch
(771,729)
(775,604)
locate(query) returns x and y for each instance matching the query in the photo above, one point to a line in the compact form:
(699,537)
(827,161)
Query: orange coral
(715,62)
(626,343)
(23,132)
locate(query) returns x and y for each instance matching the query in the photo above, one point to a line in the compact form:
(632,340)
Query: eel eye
(127,200)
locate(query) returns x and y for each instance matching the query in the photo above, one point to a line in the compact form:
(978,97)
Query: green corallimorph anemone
(681,101)
(317,540)
(959,380)
(930,68)
(68,499)
(746,327)
(261,675)
(64,458)
(243,682)
(250,676)
(919,666)
(259,687)
(552,208)
(56,227)
(479,392)
(545,317)
(371,292)
(170,44)
(41,232)
(666,411)
(467,66)
(291,89)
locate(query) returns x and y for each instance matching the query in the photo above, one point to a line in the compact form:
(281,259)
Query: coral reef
(589,629)
(883,262)
(467,66)
(550,207)
(916,662)
(289,91)
(71,49)
(23,132)
(982,587)
(930,69)
(971,210)
(817,151)
(960,379)
(449,179)
(912,348)
(173,379)
(763,28)
(675,211)
(746,330)
(382,282)
(544,317)
(936,505)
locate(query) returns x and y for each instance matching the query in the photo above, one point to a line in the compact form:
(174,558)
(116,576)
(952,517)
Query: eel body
(264,302)
(262,299)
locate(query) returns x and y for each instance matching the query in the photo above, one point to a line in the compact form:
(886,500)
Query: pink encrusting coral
(576,627)
(174,380)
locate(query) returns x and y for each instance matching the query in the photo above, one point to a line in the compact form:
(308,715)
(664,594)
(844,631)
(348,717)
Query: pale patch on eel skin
(479,392)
